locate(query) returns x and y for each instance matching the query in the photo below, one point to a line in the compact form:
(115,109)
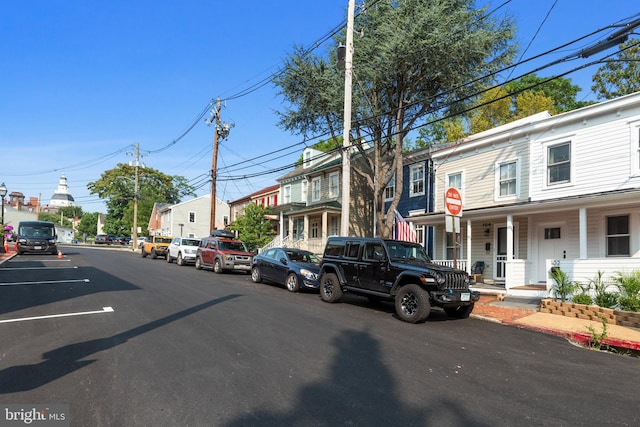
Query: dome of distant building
(62,197)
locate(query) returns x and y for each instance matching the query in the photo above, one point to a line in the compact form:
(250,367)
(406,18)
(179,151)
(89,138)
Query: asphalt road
(127,341)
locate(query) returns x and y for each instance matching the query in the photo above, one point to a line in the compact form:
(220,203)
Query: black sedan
(294,268)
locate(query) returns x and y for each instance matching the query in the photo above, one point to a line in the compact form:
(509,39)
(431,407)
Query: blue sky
(81,82)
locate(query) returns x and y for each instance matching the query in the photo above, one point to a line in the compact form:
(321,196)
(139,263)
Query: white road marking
(40,260)
(51,316)
(45,282)
(37,268)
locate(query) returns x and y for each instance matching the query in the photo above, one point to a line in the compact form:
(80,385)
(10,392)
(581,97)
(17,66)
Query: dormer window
(306,158)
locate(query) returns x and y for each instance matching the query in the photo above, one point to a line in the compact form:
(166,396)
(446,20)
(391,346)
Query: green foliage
(71,211)
(117,186)
(324,146)
(563,288)
(582,298)
(597,338)
(88,225)
(56,218)
(410,58)
(602,297)
(629,288)
(254,228)
(620,75)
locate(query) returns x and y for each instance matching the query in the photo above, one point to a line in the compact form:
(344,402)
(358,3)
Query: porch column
(281,227)
(305,234)
(324,227)
(583,232)
(509,238)
(469,247)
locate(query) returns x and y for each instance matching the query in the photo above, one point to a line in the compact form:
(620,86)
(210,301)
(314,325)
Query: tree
(621,75)
(117,186)
(411,58)
(56,218)
(88,224)
(254,229)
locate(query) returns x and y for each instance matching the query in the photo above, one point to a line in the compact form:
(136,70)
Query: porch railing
(460,264)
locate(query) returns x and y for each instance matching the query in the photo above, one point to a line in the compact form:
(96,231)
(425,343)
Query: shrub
(602,297)
(629,288)
(563,287)
(582,299)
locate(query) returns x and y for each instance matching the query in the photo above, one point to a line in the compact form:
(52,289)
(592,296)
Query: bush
(563,287)
(582,299)
(602,298)
(629,288)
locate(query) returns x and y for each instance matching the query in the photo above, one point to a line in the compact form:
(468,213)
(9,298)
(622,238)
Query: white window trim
(336,176)
(303,190)
(498,164)
(411,181)
(450,174)
(545,178)
(286,194)
(391,184)
(316,181)
(635,148)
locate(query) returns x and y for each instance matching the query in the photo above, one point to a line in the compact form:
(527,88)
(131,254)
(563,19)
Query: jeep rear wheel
(330,290)
(292,283)
(217,266)
(459,312)
(412,304)
(154,255)
(198,263)
(255,275)
(144,254)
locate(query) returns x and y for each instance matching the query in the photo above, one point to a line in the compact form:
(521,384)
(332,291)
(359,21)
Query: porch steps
(532,291)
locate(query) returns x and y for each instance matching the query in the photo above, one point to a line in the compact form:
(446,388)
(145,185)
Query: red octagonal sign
(453,202)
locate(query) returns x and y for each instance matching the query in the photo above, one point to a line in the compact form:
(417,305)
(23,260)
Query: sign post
(453,210)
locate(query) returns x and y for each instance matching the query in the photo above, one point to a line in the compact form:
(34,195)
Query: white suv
(183,250)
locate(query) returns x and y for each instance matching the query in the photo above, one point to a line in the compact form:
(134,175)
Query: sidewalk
(523,312)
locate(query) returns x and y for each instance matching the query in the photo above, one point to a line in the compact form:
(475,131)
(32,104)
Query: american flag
(403,230)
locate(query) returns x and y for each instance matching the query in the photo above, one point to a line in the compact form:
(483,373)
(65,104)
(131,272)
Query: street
(131,341)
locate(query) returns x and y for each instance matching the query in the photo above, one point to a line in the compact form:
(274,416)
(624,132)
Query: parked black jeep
(396,271)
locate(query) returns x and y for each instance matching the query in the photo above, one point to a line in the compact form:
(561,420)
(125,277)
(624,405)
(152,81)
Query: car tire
(412,304)
(255,275)
(217,266)
(330,289)
(292,283)
(169,259)
(154,255)
(179,260)
(19,252)
(144,254)
(460,312)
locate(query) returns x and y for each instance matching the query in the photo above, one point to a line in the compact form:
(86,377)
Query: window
(334,226)
(286,197)
(352,249)
(192,217)
(390,189)
(304,191)
(559,163)
(298,228)
(306,162)
(314,229)
(635,150)
(507,179)
(552,233)
(334,184)
(618,237)
(455,180)
(315,189)
(417,180)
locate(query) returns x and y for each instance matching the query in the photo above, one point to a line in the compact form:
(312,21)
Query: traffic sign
(453,202)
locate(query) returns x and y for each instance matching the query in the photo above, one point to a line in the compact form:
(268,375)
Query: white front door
(550,246)
(501,250)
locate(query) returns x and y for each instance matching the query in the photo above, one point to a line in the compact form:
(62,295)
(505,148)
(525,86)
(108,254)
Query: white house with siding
(545,191)
(192,218)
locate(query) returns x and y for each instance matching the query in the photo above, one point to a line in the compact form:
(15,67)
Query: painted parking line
(15,260)
(44,282)
(37,268)
(52,316)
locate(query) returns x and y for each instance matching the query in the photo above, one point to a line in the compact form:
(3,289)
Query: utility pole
(134,243)
(221,131)
(346,141)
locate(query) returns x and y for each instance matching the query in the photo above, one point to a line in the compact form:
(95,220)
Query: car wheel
(19,252)
(330,290)
(217,266)
(144,254)
(292,283)
(154,255)
(198,263)
(169,259)
(460,312)
(180,261)
(255,275)
(412,304)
